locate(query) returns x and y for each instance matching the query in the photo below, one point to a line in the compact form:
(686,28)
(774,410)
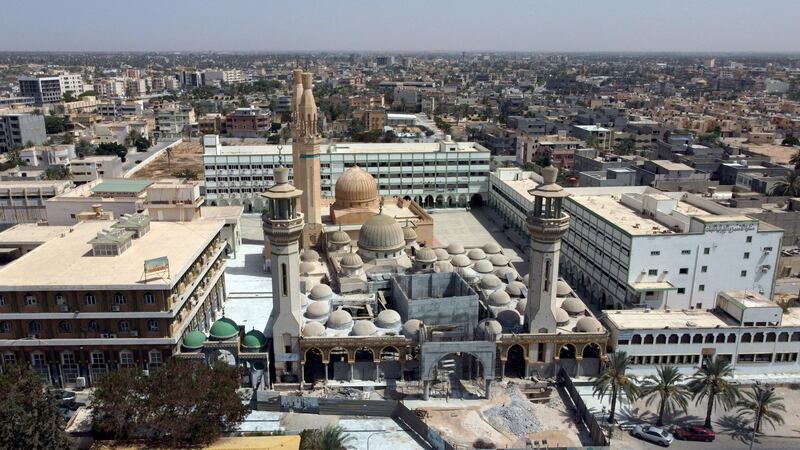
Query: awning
(652,286)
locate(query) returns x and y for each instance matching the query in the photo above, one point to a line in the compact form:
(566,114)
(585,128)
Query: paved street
(624,441)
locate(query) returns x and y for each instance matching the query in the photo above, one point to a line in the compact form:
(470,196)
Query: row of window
(38,359)
(664,359)
(89,299)
(711,338)
(458,162)
(64,326)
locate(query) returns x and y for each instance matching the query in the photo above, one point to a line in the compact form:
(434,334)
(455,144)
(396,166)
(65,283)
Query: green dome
(223,329)
(194,340)
(254,341)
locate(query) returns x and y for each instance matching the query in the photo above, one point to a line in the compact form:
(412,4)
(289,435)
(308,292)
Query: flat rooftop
(349,148)
(640,319)
(31,233)
(32,184)
(67,262)
(122,186)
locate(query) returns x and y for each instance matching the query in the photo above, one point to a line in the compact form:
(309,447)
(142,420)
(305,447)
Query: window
(701,287)
(749,239)
(746,338)
(686,252)
(34,327)
(149,298)
(5,327)
(655,253)
(155,359)
(661,339)
(126,358)
(93,326)
(30,299)
(704,269)
(89,299)
(123,326)
(699,306)
(60,300)
(746,255)
(63,326)
(652,272)
(9,359)
(2,300)
(683,270)
(119,298)
(152,325)
(743,273)
(681,290)
(98,358)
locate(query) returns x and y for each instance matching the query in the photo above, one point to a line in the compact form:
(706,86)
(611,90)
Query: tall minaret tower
(306,146)
(297,94)
(283,226)
(547,224)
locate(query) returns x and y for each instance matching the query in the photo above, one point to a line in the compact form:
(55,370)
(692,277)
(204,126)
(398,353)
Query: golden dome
(356,188)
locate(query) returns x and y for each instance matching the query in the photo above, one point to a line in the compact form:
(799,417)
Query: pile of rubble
(344,393)
(517,416)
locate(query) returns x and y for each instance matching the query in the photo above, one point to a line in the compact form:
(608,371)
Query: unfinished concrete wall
(436,299)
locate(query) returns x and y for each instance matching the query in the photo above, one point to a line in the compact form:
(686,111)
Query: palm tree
(788,186)
(329,438)
(795,159)
(613,379)
(666,386)
(763,404)
(712,381)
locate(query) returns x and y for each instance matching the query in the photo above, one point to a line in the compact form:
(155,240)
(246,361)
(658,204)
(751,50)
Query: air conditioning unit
(63,308)
(104,335)
(115,308)
(134,333)
(80,382)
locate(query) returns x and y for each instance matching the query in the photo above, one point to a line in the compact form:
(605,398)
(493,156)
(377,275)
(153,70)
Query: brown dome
(355,188)
(381,233)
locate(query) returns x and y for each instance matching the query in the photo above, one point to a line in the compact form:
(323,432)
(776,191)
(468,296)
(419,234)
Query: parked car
(694,433)
(653,434)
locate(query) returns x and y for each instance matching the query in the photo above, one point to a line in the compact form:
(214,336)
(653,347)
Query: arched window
(34,327)
(661,339)
(636,340)
(795,336)
(697,339)
(746,337)
(547,276)
(119,298)
(5,326)
(686,339)
(63,326)
(123,326)
(648,339)
(732,338)
(783,337)
(60,299)
(758,337)
(709,338)
(2,300)
(30,299)
(720,338)
(771,337)
(152,325)
(149,298)
(93,326)
(90,299)
(673,338)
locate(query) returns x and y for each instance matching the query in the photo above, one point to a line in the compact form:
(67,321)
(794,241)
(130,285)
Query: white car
(653,434)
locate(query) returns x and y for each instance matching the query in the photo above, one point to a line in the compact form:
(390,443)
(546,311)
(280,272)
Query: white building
(50,155)
(92,168)
(24,201)
(637,246)
(754,334)
(438,174)
(71,82)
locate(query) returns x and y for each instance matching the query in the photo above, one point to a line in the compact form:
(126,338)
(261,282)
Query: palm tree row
(712,383)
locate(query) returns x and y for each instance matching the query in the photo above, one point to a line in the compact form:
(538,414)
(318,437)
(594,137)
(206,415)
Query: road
(132,157)
(723,442)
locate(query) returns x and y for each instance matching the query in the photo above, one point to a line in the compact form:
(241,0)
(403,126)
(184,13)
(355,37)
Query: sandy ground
(186,155)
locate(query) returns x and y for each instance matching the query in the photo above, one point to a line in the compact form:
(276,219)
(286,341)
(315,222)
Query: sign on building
(156,265)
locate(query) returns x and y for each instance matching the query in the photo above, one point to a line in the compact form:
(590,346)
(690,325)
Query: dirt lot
(465,425)
(186,155)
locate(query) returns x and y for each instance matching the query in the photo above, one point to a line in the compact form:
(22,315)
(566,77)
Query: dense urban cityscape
(412,250)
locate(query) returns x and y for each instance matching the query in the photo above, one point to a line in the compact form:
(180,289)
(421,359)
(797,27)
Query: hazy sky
(401,25)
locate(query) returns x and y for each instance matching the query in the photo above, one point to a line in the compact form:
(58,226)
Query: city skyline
(546,26)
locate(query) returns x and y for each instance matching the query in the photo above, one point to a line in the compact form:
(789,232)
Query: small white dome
(483,267)
(318,310)
(411,328)
(363,328)
(388,318)
(460,261)
(490,327)
(498,260)
(351,261)
(313,329)
(307,267)
(490,282)
(589,325)
(573,306)
(443,267)
(409,234)
(455,249)
(492,248)
(504,272)
(321,292)
(441,254)
(515,288)
(562,288)
(499,298)
(309,256)
(476,254)
(339,320)
(562,317)
(426,255)
(340,237)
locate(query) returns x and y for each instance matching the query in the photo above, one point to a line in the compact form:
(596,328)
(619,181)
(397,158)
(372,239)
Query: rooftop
(121,186)
(343,148)
(67,262)
(642,319)
(31,233)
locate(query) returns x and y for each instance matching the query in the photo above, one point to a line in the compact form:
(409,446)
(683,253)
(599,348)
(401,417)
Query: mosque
(372,299)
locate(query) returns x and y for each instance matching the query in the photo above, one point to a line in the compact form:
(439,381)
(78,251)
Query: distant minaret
(306,146)
(283,226)
(547,224)
(297,94)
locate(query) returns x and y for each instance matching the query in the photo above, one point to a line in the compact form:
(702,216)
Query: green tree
(613,381)
(764,405)
(88,94)
(30,417)
(790,141)
(666,386)
(54,124)
(712,382)
(788,185)
(57,173)
(626,146)
(12,160)
(795,160)
(84,148)
(182,404)
(112,148)
(332,437)
(68,97)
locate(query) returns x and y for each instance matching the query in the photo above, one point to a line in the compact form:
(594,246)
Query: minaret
(283,226)
(547,224)
(306,146)
(297,94)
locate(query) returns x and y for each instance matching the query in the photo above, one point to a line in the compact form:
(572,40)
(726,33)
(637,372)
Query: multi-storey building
(560,149)
(18,130)
(71,82)
(110,294)
(754,334)
(50,155)
(174,120)
(121,109)
(90,168)
(637,246)
(438,174)
(43,89)
(24,201)
(248,122)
